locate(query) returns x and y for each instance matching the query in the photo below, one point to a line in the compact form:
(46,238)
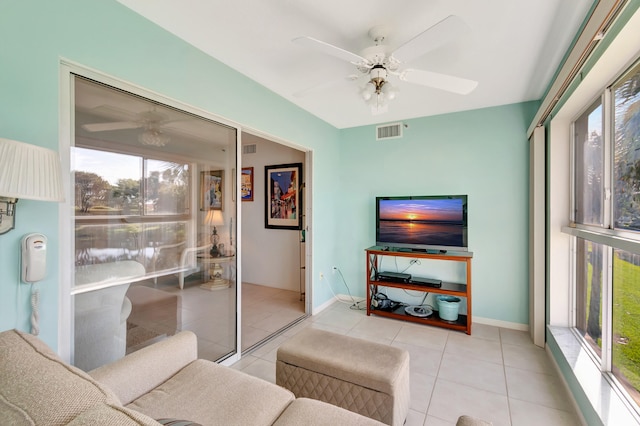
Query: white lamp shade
(214,218)
(29,171)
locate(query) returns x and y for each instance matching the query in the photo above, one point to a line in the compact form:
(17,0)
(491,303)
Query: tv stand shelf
(375,255)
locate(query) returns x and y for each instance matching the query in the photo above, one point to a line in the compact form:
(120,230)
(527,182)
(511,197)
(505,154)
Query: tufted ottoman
(368,378)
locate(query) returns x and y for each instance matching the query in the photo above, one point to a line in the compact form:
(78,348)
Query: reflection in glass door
(153,226)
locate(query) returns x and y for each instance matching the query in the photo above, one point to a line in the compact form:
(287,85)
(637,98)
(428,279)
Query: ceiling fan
(151,121)
(379,62)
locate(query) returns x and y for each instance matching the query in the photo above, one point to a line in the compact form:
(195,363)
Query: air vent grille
(389,131)
(249,149)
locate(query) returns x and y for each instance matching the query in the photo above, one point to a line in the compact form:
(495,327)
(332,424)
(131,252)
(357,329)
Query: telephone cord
(35,314)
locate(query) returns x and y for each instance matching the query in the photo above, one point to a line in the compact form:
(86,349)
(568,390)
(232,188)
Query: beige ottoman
(368,378)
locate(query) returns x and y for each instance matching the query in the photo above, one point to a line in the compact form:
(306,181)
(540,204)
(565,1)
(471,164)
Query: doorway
(174,226)
(273,258)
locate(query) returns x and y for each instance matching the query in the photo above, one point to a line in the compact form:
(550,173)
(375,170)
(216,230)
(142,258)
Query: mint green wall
(108,37)
(482,153)
(350,168)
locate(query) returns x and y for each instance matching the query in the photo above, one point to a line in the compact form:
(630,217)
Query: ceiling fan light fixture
(153,137)
(378,72)
(378,91)
(375,100)
(389,91)
(378,99)
(368,91)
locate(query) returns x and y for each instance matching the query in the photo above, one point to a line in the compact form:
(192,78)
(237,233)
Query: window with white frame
(606,177)
(130,211)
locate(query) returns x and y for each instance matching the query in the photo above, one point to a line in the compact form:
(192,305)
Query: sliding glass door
(153,214)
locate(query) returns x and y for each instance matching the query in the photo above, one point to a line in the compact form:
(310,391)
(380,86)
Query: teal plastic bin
(448,307)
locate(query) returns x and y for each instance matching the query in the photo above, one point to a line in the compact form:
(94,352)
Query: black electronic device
(433,224)
(382,302)
(394,277)
(428,282)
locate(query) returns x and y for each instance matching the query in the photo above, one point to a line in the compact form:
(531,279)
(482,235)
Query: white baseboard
(476,320)
(315,310)
(502,324)
(339,298)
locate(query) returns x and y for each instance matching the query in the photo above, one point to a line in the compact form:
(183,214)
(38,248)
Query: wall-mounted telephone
(34,258)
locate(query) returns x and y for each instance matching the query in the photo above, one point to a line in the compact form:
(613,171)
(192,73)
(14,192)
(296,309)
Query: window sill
(596,395)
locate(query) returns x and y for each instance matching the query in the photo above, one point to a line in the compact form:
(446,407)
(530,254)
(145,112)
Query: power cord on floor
(355,304)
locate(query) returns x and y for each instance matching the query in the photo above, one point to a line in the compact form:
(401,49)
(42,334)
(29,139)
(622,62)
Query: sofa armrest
(142,371)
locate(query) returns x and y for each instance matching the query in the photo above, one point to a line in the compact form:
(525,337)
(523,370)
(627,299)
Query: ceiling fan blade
(114,125)
(330,49)
(436,80)
(443,32)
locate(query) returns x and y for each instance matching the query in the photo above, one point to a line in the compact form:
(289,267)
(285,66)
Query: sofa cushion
(311,412)
(112,416)
(37,387)
(143,370)
(212,394)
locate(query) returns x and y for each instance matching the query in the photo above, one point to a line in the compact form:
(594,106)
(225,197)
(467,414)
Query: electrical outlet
(334,269)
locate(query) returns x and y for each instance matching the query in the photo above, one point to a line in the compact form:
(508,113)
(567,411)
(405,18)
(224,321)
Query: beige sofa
(156,385)
(164,380)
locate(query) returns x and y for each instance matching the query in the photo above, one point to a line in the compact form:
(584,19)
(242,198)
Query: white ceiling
(512,48)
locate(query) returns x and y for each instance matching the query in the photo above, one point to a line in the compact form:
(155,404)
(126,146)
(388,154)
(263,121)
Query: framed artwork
(283,203)
(211,190)
(246,184)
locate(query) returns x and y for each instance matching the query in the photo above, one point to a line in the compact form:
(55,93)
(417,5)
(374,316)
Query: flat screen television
(422,223)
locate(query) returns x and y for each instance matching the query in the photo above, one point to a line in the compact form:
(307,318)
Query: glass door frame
(66,220)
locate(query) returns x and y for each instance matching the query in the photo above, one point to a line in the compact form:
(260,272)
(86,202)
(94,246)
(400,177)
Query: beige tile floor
(496,374)
(266,310)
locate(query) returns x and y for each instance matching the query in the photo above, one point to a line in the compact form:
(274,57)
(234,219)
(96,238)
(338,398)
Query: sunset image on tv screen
(433,210)
(422,222)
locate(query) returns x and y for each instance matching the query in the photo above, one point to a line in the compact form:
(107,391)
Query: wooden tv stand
(374,257)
